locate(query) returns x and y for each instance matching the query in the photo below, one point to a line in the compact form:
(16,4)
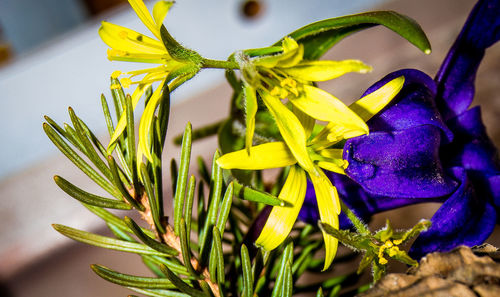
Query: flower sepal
(378,246)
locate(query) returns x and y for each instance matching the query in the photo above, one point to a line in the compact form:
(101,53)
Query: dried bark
(460,272)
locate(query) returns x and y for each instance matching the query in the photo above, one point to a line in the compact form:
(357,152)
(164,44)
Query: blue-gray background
(60,61)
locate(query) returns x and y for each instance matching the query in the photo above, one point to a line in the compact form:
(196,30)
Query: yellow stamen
(116,74)
(126,82)
(275,92)
(393,251)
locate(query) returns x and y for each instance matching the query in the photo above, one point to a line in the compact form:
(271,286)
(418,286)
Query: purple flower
(428,146)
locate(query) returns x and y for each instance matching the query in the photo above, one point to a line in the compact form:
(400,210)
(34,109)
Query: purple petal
(457,74)
(464,219)
(358,200)
(471,148)
(413,106)
(492,187)
(402,164)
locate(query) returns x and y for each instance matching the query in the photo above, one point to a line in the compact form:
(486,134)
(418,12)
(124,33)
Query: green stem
(202,132)
(209,63)
(358,224)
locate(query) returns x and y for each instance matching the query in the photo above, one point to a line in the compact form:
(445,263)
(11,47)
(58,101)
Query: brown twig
(173,241)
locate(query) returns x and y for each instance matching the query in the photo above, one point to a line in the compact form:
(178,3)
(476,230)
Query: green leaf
(247,272)
(421,226)
(225,208)
(181,285)
(367,259)
(89,198)
(200,133)
(213,207)
(93,138)
(161,247)
(131,280)
(335,291)
(164,114)
(110,218)
(203,170)
(157,166)
(188,208)
(302,262)
(180,193)
(386,233)
(89,149)
(105,242)
(153,267)
(159,293)
(130,144)
(250,194)
(320,293)
(111,129)
(288,281)
(185,249)
(284,266)
(319,37)
(151,199)
(172,263)
(119,233)
(218,256)
(176,50)
(77,160)
(118,184)
(118,97)
(270,50)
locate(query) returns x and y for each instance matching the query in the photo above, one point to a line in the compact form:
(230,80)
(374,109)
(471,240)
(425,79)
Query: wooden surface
(40,262)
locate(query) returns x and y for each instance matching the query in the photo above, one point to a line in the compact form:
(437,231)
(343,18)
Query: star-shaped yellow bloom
(308,154)
(131,46)
(287,75)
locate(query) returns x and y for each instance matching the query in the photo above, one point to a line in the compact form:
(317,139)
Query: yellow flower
(287,75)
(308,153)
(131,46)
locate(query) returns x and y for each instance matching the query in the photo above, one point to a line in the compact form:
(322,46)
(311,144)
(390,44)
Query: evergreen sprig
(207,252)
(210,251)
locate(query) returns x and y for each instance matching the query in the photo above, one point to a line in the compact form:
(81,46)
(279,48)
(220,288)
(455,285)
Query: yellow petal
(289,44)
(122,123)
(147,120)
(326,70)
(333,133)
(371,104)
(251,109)
(306,121)
(323,106)
(264,156)
(143,13)
(160,11)
(139,160)
(281,219)
(124,39)
(332,166)
(290,129)
(118,55)
(332,153)
(291,54)
(329,209)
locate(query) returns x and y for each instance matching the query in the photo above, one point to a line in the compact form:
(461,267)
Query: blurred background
(51,57)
